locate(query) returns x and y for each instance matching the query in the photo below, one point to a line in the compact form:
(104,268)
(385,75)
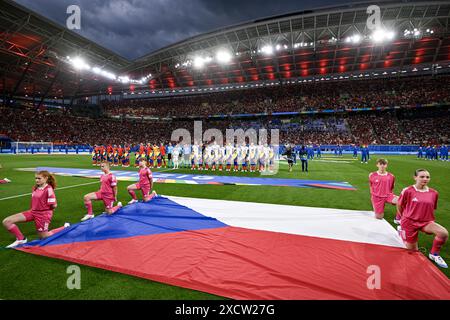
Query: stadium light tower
(268,50)
(390,35)
(378,36)
(381,35)
(124,79)
(355,39)
(108,75)
(223,56)
(79,64)
(199,62)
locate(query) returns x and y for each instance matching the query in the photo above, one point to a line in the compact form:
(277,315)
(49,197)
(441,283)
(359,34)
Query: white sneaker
(396,221)
(153,195)
(17,243)
(87,217)
(7,180)
(66,225)
(119,204)
(438,260)
(133,201)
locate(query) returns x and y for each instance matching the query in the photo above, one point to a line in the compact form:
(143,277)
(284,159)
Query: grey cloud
(137,27)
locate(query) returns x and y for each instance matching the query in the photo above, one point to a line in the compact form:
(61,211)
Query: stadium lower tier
(427,125)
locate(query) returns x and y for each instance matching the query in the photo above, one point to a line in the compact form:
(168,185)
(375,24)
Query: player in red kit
(162,148)
(416,205)
(107,193)
(94,156)
(43,202)
(145,184)
(381,189)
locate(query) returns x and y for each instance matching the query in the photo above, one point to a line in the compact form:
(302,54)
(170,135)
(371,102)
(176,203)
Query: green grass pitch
(25,276)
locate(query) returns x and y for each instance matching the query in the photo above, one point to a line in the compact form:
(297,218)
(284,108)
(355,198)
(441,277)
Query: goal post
(31,147)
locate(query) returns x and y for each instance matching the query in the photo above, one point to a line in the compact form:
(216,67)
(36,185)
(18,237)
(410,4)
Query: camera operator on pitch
(304,158)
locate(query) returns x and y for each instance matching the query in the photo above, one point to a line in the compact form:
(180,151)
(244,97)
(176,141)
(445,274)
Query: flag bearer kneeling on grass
(382,190)
(43,202)
(145,184)
(416,206)
(107,193)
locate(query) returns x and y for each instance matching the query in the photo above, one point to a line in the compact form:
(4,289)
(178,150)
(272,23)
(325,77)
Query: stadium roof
(33,50)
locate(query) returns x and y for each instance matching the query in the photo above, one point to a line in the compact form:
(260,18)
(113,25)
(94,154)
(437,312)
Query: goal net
(32,147)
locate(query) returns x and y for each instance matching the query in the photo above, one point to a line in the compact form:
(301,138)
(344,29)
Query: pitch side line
(68,187)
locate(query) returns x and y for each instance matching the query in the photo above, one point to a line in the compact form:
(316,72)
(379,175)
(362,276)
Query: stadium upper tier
(338,96)
(44,59)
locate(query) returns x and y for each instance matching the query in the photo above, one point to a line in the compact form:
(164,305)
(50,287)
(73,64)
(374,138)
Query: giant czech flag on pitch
(252,251)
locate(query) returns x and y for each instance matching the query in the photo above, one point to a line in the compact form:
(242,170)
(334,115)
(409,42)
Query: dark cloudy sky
(136,27)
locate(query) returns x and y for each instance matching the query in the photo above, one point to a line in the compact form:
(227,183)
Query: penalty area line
(68,187)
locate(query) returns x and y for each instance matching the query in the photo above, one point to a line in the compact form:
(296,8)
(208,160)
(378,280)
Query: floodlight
(199,62)
(80,64)
(268,49)
(223,56)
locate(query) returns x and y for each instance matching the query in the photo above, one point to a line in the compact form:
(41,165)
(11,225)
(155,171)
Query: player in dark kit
(289,153)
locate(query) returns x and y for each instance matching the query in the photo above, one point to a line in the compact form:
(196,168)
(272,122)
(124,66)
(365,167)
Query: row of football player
(246,158)
(433,153)
(229,158)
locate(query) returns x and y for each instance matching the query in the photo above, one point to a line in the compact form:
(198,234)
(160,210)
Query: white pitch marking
(26,169)
(333,161)
(171,169)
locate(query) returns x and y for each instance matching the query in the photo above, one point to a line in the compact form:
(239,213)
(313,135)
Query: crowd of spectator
(418,125)
(390,127)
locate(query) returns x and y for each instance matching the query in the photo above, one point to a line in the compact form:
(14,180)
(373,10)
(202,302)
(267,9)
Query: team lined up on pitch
(232,157)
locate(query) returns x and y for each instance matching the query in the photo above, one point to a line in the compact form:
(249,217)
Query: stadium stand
(402,126)
(337,95)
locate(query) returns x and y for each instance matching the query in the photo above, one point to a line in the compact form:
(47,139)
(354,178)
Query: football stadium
(295,156)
